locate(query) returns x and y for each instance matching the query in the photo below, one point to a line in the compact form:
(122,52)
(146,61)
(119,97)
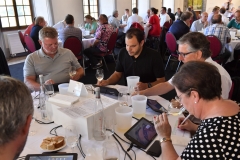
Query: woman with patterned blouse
(198,87)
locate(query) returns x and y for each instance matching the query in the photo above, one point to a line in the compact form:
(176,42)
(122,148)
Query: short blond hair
(38,20)
(48,32)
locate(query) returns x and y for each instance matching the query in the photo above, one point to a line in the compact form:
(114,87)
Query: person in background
(134,18)
(182,26)
(171,15)
(164,17)
(193,46)
(146,18)
(29,28)
(137,60)
(60,25)
(34,34)
(225,19)
(222,33)
(235,23)
(51,61)
(190,9)
(178,14)
(90,24)
(200,24)
(126,16)
(214,12)
(217,136)
(114,21)
(229,8)
(16,114)
(70,30)
(103,33)
(154,23)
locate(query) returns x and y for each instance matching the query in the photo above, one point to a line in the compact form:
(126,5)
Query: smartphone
(155,149)
(154,105)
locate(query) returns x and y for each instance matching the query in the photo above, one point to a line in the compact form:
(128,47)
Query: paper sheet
(178,132)
(182,141)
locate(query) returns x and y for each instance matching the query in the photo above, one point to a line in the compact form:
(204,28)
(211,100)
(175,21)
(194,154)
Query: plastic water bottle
(98,118)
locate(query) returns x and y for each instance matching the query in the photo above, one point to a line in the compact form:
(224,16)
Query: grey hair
(48,32)
(114,12)
(16,105)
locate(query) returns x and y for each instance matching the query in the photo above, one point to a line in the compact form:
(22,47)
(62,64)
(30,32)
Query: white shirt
(164,18)
(225,20)
(114,22)
(227,13)
(146,19)
(225,78)
(59,26)
(197,25)
(134,18)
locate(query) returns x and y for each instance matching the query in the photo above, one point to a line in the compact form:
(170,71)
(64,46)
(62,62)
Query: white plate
(56,149)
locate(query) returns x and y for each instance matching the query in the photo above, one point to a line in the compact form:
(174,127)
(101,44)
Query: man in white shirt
(133,18)
(193,46)
(225,19)
(229,8)
(146,18)
(114,21)
(60,25)
(200,24)
(125,16)
(164,17)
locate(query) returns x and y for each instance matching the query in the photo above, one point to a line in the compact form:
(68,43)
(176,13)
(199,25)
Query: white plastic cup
(139,103)
(232,33)
(132,81)
(63,88)
(123,118)
(238,32)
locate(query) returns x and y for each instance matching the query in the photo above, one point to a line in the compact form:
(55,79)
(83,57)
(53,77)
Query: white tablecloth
(33,142)
(231,46)
(86,42)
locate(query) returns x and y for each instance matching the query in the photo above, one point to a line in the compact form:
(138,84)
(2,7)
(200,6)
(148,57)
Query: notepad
(63,99)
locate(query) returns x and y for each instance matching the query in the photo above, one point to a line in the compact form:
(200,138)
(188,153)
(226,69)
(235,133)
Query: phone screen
(153,104)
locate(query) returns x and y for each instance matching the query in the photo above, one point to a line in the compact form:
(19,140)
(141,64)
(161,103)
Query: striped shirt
(220,31)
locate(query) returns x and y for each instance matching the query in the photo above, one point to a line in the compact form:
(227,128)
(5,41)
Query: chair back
(171,42)
(30,44)
(75,45)
(137,25)
(215,45)
(111,43)
(167,25)
(20,34)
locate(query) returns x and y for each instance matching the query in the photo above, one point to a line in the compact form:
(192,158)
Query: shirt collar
(237,22)
(209,59)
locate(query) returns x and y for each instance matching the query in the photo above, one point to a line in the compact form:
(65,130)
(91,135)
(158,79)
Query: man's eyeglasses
(184,54)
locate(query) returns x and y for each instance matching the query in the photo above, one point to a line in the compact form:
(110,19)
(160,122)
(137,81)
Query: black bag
(236,89)
(233,68)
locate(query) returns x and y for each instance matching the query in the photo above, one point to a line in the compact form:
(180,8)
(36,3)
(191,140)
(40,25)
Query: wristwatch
(164,139)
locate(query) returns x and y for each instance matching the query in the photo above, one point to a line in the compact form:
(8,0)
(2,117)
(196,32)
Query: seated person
(154,24)
(182,26)
(60,25)
(29,28)
(225,20)
(90,24)
(70,30)
(164,17)
(200,24)
(34,34)
(114,21)
(134,18)
(235,23)
(125,16)
(218,136)
(137,60)
(16,115)
(193,46)
(50,61)
(102,35)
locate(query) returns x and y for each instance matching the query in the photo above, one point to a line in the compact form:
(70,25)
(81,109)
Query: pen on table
(185,119)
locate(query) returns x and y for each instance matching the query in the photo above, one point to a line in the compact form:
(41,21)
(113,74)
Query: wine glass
(110,150)
(49,90)
(71,137)
(123,99)
(175,108)
(72,71)
(99,74)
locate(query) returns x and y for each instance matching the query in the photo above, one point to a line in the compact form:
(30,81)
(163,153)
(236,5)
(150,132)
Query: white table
(33,142)
(86,42)
(231,46)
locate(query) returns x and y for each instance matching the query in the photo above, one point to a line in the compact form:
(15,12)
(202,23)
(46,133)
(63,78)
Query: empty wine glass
(123,97)
(110,150)
(99,74)
(72,71)
(71,137)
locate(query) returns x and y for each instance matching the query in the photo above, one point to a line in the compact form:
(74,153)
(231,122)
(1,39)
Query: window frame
(18,27)
(89,8)
(136,1)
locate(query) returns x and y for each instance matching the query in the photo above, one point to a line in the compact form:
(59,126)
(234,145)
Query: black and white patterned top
(216,138)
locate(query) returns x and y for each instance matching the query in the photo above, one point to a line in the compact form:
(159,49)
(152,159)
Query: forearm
(158,81)
(80,72)
(158,89)
(113,79)
(168,151)
(31,84)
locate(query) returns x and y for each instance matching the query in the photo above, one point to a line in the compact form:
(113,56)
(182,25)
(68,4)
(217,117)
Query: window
(15,14)
(134,4)
(90,7)
(197,4)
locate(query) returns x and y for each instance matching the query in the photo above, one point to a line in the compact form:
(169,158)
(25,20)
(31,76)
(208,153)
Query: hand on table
(187,125)
(49,81)
(162,126)
(142,86)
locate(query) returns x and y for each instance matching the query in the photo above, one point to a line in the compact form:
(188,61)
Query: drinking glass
(109,126)
(99,74)
(123,97)
(49,89)
(71,137)
(110,150)
(72,71)
(175,108)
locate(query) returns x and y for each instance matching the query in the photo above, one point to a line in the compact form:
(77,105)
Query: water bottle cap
(40,75)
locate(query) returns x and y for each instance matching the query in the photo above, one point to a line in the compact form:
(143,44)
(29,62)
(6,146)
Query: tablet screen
(142,133)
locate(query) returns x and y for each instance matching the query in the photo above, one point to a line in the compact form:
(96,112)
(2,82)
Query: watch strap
(164,139)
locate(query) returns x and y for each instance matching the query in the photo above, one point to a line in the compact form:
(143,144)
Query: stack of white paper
(63,99)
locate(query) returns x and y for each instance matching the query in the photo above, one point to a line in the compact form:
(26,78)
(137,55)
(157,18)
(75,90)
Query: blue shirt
(233,23)
(34,34)
(178,29)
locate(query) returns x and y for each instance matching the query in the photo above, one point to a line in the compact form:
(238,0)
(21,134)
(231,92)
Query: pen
(185,119)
